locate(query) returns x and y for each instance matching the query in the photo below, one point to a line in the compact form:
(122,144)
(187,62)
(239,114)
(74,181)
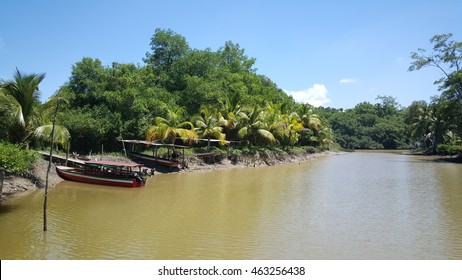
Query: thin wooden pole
(68,146)
(123,145)
(170,157)
(48,170)
(2,174)
(184,161)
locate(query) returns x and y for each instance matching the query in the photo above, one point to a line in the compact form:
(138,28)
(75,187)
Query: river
(362,205)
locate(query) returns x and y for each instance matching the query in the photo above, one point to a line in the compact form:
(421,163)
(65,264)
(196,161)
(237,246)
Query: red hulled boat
(109,173)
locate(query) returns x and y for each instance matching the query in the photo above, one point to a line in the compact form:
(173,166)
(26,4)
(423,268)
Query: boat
(169,162)
(110,173)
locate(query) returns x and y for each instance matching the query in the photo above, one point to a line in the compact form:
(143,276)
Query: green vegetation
(451,150)
(182,94)
(23,118)
(16,159)
(439,122)
(369,126)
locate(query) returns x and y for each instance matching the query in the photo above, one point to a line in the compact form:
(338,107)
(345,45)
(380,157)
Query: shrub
(449,149)
(16,159)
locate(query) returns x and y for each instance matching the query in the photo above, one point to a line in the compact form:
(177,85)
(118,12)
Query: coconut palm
(209,125)
(284,127)
(47,114)
(230,115)
(20,97)
(168,129)
(254,129)
(30,119)
(311,121)
(294,126)
(431,125)
(325,136)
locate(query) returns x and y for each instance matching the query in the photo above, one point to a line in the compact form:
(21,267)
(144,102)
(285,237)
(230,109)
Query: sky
(327,53)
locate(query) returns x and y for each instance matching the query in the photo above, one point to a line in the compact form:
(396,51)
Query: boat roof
(154,143)
(112,163)
(172,145)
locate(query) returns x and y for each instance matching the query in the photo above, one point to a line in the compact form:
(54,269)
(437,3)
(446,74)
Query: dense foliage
(369,126)
(15,159)
(182,94)
(439,122)
(23,118)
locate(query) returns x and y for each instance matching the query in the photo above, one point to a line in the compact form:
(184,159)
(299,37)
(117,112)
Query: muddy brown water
(349,206)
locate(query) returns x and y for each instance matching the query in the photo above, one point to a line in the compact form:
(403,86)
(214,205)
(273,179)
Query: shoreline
(35,178)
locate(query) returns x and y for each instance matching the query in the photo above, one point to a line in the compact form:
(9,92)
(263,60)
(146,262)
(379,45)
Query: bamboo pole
(67,152)
(45,201)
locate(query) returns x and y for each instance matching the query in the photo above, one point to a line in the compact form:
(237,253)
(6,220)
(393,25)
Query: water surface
(351,206)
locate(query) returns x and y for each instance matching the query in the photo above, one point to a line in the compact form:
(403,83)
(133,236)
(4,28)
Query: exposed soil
(35,178)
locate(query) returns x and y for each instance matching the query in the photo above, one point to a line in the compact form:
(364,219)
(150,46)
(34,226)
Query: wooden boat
(109,173)
(156,160)
(170,162)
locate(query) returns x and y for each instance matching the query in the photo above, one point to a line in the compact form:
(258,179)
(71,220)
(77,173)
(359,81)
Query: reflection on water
(352,206)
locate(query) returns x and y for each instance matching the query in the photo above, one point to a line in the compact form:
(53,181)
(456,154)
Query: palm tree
(47,112)
(30,119)
(294,126)
(312,122)
(254,128)
(20,97)
(209,125)
(285,127)
(325,136)
(168,129)
(431,125)
(231,114)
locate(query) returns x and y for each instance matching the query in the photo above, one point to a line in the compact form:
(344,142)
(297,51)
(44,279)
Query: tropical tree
(254,129)
(50,128)
(293,126)
(430,124)
(447,57)
(234,59)
(20,97)
(30,119)
(231,114)
(325,136)
(168,129)
(311,121)
(209,125)
(167,47)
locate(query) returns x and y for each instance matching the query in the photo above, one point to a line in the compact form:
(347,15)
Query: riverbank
(36,177)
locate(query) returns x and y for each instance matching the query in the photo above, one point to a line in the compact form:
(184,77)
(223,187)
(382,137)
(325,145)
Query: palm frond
(61,134)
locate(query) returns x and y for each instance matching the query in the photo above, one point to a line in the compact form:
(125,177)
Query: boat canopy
(155,144)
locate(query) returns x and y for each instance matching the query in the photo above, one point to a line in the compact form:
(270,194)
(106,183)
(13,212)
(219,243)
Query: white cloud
(315,95)
(348,81)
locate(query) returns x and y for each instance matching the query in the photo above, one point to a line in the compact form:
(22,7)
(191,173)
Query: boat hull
(79,175)
(157,160)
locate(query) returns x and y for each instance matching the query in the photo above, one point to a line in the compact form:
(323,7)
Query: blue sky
(329,53)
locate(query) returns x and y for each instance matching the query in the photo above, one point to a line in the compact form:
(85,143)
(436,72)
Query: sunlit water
(350,206)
